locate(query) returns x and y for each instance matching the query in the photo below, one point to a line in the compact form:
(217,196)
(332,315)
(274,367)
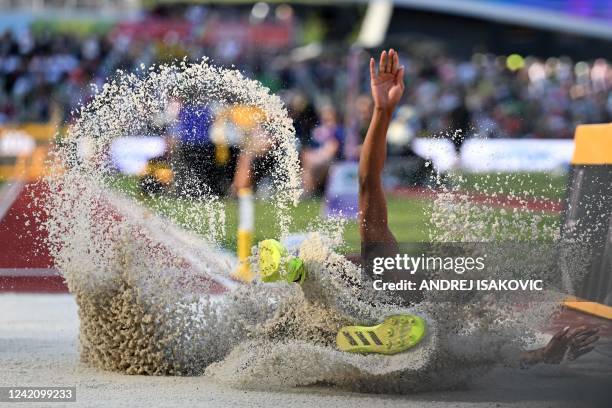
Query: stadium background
(516,77)
(512,78)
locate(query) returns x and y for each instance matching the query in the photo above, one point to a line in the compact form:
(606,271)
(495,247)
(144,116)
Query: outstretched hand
(388,83)
(569,344)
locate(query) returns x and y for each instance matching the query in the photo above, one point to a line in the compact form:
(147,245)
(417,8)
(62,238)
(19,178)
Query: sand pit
(149,297)
(40,346)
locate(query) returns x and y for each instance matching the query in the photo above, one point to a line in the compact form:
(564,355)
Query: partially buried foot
(276,264)
(394,335)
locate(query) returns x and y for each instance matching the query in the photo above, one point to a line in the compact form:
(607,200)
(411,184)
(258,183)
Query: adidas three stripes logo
(360,336)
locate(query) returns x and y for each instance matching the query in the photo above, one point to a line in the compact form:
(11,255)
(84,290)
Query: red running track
(25,263)
(573,318)
(497,201)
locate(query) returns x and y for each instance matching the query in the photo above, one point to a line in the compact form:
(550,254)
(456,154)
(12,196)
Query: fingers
(399,76)
(583,331)
(589,332)
(561,333)
(574,354)
(587,336)
(382,65)
(394,61)
(580,343)
(391,67)
(387,64)
(579,340)
(372,68)
(575,331)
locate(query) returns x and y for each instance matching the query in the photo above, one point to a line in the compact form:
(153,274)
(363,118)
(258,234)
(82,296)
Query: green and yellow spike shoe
(394,335)
(276,265)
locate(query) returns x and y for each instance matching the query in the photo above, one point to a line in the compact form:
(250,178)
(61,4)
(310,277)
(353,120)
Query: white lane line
(187,244)
(29,272)
(8,195)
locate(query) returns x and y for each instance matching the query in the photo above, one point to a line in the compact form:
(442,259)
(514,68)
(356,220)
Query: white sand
(39,346)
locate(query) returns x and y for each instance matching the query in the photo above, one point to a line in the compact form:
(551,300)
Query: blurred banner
(213,33)
(441,152)
(264,35)
(23,149)
(342,192)
(484,155)
(504,155)
(153,29)
(130,154)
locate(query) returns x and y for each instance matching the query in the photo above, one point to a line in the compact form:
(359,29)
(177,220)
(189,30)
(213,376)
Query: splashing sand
(145,304)
(144,300)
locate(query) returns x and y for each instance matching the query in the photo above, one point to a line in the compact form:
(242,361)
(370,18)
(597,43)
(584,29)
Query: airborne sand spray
(145,310)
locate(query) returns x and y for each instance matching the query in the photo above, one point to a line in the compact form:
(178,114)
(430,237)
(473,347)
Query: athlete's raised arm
(387,88)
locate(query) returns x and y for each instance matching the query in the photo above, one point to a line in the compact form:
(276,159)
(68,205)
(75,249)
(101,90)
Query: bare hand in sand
(388,83)
(582,339)
(565,344)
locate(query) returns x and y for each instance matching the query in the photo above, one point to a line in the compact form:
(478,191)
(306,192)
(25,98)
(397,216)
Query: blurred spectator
(485,96)
(482,96)
(304,117)
(460,121)
(196,152)
(324,149)
(363,110)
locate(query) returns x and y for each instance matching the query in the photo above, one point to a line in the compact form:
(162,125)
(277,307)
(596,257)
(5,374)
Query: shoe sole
(394,335)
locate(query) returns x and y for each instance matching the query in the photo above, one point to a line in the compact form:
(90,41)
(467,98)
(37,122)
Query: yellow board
(592,308)
(593,144)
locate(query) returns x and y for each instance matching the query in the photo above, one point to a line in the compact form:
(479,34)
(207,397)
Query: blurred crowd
(45,76)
